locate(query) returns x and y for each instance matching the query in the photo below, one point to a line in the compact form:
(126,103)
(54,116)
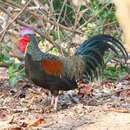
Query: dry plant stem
(92,17)
(70,29)
(13,20)
(77,15)
(45,18)
(4,65)
(37,3)
(61,11)
(51,6)
(46,35)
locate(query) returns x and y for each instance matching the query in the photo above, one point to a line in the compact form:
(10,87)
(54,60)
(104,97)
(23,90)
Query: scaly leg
(52,100)
(56,102)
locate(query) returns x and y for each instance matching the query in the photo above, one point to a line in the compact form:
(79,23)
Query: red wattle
(23,43)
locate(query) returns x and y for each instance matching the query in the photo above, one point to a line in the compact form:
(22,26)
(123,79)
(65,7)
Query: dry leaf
(3,115)
(24,124)
(85,90)
(16,128)
(107,84)
(37,122)
(125,93)
(3,73)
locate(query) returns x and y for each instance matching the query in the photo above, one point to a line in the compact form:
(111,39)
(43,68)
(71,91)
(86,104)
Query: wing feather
(53,67)
(71,67)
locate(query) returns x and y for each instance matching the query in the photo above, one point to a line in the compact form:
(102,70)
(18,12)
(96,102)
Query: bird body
(62,73)
(39,76)
(45,69)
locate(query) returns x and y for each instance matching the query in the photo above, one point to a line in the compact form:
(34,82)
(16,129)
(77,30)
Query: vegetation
(61,26)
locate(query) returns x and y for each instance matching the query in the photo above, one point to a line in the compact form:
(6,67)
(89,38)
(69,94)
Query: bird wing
(71,67)
(53,66)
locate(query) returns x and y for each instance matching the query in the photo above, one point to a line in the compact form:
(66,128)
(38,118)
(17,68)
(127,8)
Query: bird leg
(54,99)
(56,102)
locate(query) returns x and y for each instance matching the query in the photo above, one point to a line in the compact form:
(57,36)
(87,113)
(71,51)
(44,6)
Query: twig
(14,19)
(45,18)
(52,21)
(51,6)
(61,10)
(5,18)
(46,35)
(93,17)
(4,65)
(37,3)
(20,57)
(76,17)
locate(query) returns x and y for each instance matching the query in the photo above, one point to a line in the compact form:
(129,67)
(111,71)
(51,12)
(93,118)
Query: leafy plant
(16,70)
(101,18)
(114,73)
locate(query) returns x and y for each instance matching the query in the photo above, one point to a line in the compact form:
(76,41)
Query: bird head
(25,34)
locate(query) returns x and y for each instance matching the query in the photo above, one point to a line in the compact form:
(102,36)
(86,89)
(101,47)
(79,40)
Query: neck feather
(33,49)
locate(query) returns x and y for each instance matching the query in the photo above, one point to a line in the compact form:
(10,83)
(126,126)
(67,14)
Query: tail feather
(92,64)
(94,49)
(93,70)
(100,40)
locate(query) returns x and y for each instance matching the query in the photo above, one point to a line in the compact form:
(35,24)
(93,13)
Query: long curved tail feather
(93,50)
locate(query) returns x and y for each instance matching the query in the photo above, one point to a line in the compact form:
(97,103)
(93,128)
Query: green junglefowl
(57,73)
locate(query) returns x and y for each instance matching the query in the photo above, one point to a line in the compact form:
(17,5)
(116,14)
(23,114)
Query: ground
(26,107)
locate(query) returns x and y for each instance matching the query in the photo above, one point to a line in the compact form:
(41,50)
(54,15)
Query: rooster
(62,73)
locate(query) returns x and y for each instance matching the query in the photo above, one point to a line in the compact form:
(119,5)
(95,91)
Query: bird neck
(33,48)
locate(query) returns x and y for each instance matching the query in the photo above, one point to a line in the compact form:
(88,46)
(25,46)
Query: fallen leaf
(3,115)
(16,128)
(37,122)
(85,90)
(24,124)
(125,93)
(3,73)
(107,84)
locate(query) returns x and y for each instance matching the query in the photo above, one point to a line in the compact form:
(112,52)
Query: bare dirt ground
(26,107)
